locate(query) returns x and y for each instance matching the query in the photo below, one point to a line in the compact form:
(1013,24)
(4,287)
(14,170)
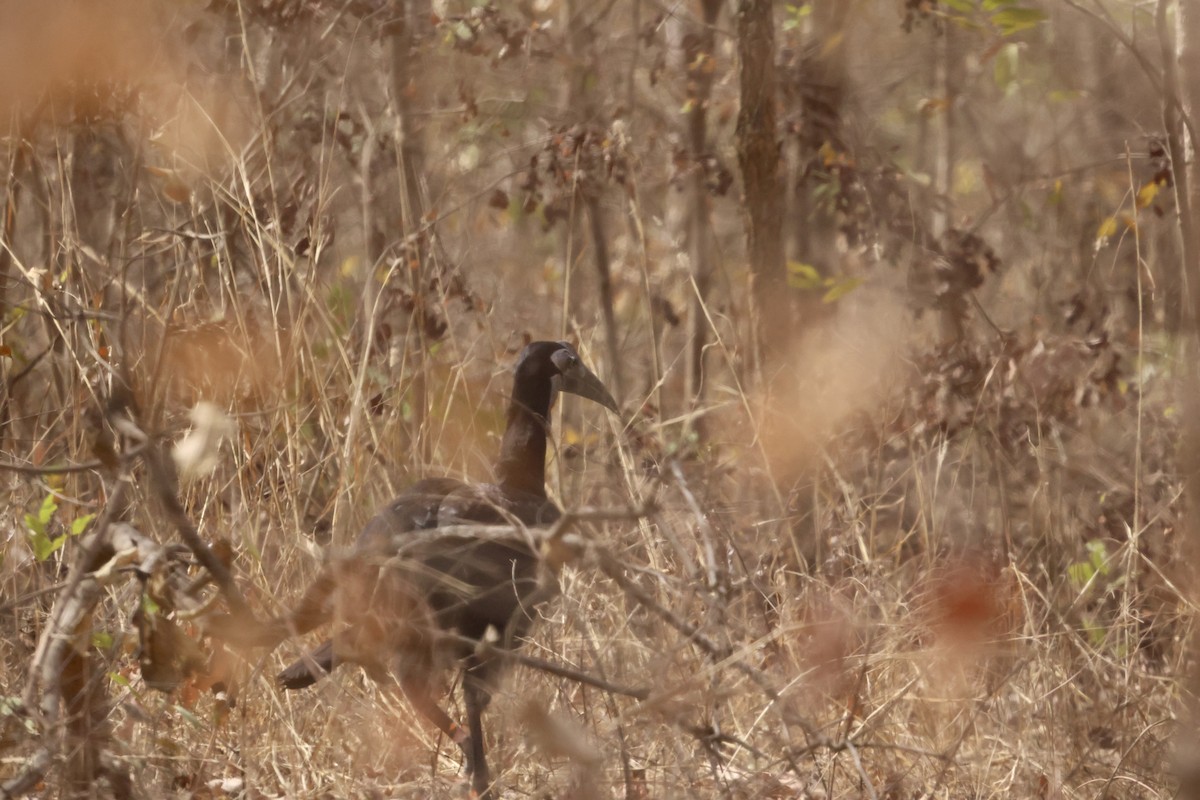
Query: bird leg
(420,698)
(476,697)
(470,741)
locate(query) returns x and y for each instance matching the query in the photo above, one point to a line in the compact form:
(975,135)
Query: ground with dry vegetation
(923,542)
(965,585)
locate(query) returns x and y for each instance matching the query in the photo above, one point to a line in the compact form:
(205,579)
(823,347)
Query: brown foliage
(931,544)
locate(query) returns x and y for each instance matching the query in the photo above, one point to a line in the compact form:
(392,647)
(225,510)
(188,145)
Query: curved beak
(575,378)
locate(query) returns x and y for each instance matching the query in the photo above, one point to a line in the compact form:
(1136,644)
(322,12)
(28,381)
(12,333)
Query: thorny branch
(58,642)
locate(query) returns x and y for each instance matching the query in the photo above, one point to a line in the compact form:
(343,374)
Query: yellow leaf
(1107,228)
(1056,195)
(803,276)
(828,154)
(1147,193)
(832,43)
(570,436)
(968,175)
(840,289)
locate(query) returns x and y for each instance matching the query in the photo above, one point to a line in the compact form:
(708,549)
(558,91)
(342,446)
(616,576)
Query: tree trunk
(409,147)
(699,63)
(1186,105)
(1184,98)
(945,91)
(410,154)
(947,85)
(818,82)
(1175,280)
(758,158)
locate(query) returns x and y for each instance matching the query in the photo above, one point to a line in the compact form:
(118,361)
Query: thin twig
(487,648)
(165,487)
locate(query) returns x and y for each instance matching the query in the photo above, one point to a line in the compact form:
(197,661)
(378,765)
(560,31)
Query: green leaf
(1098,556)
(38,522)
(1012,20)
(803,276)
(1063,95)
(79,524)
(40,542)
(148,605)
(11,706)
(1005,67)
(840,289)
(795,13)
(102,640)
(43,546)
(1079,574)
(961,6)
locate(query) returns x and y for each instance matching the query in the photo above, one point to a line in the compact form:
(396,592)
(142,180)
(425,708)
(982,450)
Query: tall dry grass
(888,568)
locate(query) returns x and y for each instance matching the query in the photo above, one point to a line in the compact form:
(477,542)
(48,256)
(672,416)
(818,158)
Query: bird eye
(565,360)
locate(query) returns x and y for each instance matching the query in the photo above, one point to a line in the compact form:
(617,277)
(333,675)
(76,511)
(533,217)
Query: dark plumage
(396,618)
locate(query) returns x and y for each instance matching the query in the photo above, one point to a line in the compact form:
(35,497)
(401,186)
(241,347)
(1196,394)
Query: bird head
(567,373)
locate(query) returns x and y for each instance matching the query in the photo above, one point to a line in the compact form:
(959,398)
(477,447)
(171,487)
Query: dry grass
(888,569)
(907,623)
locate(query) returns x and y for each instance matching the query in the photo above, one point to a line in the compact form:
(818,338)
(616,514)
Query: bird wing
(468,584)
(416,508)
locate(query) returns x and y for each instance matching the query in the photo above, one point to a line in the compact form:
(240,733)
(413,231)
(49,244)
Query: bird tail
(309,669)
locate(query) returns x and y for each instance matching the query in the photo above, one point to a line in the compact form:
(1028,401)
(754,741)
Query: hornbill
(412,604)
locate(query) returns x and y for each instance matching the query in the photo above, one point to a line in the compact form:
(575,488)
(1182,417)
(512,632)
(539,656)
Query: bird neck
(522,464)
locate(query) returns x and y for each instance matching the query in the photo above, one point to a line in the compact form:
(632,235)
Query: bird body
(468,584)
(411,604)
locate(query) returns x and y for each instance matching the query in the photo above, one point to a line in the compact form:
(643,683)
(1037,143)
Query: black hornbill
(413,604)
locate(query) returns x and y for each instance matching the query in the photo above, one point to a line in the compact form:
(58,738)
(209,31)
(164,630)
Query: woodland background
(897,299)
